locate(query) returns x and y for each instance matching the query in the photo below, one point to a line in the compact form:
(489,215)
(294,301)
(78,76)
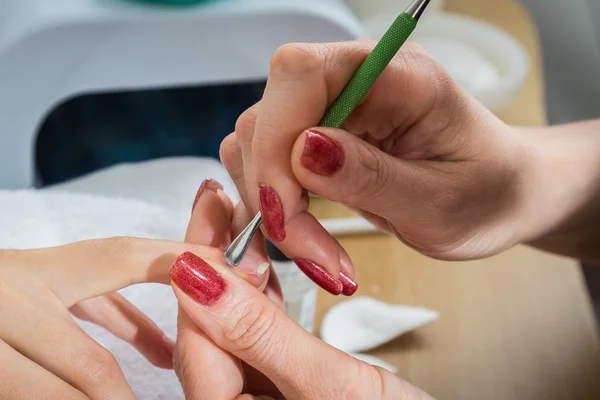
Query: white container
(368,8)
(485,61)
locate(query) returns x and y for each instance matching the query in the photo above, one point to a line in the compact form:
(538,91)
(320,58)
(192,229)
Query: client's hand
(247,325)
(236,342)
(44,353)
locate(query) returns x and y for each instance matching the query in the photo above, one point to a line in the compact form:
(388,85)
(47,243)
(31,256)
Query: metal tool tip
(417,8)
(228,260)
(237,249)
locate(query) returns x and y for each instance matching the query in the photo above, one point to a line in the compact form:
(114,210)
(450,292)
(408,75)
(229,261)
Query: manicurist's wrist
(561,197)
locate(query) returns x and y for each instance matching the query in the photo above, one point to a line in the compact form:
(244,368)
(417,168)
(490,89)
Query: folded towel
(362,323)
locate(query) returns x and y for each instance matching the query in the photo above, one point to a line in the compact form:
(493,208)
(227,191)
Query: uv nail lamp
(53,50)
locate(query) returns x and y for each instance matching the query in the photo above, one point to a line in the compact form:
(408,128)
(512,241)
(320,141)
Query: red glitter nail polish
(197,279)
(272,213)
(349,285)
(321,154)
(319,276)
(207,184)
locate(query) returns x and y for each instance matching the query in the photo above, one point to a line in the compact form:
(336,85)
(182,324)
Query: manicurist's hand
(418,158)
(44,353)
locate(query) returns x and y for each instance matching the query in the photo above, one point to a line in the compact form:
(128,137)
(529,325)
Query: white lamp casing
(54,50)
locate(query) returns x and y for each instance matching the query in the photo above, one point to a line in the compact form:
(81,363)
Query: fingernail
(254,266)
(321,155)
(349,286)
(197,279)
(207,184)
(319,276)
(272,213)
(262,268)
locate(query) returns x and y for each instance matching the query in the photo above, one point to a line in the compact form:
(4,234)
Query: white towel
(115,202)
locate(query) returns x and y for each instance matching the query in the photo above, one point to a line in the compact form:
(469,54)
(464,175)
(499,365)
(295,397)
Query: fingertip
(207,184)
(349,285)
(210,222)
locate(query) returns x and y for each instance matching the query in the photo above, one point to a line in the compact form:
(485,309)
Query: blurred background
(569,44)
(107,82)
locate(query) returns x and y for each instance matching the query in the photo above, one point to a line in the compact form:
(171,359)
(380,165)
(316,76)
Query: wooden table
(515,326)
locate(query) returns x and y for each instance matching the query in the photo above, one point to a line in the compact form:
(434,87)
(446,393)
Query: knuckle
(295,59)
(252,329)
(230,153)
(244,126)
(96,366)
(375,175)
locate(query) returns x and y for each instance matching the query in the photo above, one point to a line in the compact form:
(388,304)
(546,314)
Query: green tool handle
(369,71)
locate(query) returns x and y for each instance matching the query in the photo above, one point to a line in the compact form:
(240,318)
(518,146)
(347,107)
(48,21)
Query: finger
(303,80)
(22,379)
(255,381)
(210,223)
(205,370)
(342,168)
(246,323)
(311,247)
(231,156)
(118,316)
(92,268)
(244,133)
(273,290)
(215,187)
(314,251)
(55,342)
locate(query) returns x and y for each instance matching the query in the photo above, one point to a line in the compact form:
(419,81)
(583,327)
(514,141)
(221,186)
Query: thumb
(243,321)
(341,167)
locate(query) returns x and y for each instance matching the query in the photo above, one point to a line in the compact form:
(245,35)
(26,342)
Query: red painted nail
(319,276)
(207,184)
(349,285)
(321,155)
(272,213)
(197,279)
